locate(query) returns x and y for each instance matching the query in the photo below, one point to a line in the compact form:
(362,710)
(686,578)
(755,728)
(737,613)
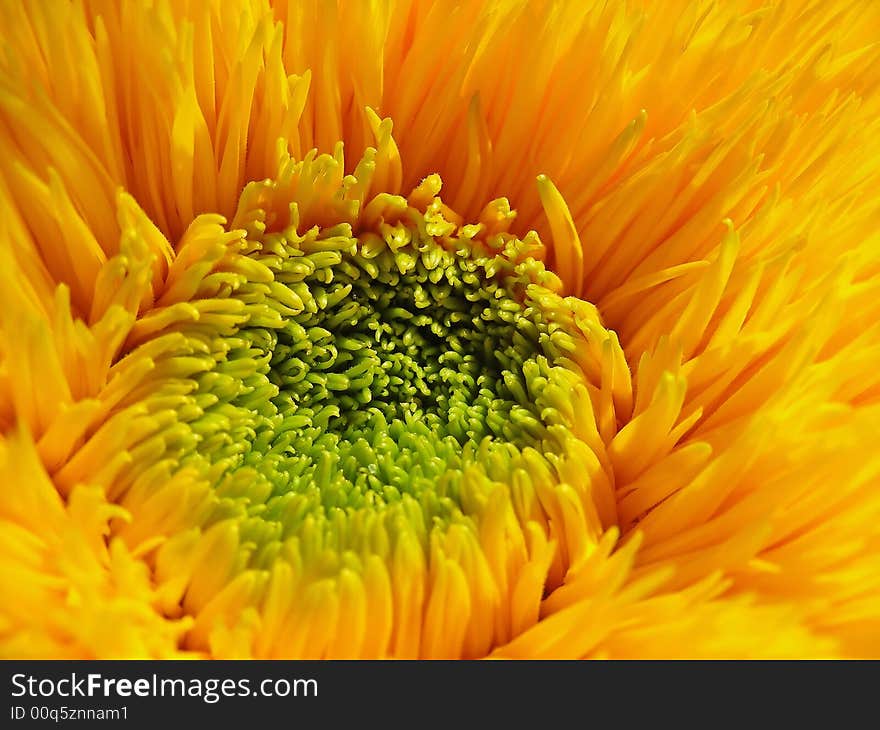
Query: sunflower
(428,329)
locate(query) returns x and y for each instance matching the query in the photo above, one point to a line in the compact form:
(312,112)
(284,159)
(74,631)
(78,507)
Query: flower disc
(369,406)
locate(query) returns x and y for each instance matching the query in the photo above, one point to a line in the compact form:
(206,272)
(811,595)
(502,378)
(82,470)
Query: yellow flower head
(269,388)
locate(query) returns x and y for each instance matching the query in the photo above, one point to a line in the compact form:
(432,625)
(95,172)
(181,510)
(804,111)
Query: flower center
(395,366)
(385,414)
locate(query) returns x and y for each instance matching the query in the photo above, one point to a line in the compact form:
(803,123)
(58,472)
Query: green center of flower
(361,423)
(395,363)
(398,364)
